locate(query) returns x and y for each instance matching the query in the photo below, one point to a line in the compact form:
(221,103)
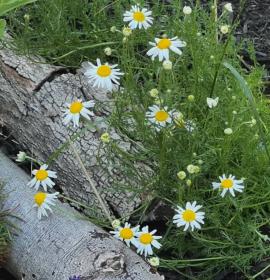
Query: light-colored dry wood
(64,244)
(32,97)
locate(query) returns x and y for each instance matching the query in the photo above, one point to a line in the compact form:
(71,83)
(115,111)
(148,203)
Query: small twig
(103,206)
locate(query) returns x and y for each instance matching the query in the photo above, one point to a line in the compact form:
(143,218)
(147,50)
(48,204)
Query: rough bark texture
(32,97)
(65,244)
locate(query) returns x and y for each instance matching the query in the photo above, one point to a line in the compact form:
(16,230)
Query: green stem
(234,25)
(100,200)
(84,48)
(260,272)
(199,260)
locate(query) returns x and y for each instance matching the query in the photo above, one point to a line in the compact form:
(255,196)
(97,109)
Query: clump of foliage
(64,31)
(231,138)
(4,229)
(5,7)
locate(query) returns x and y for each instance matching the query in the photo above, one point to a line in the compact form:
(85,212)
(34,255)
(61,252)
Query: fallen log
(65,244)
(32,96)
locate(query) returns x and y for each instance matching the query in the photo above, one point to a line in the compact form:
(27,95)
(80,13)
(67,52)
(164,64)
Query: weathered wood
(32,97)
(65,244)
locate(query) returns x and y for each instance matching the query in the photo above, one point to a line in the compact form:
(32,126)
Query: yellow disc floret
(146,238)
(164,44)
(41,175)
(40,198)
(104,71)
(161,116)
(227,183)
(189,215)
(126,233)
(76,107)
(138,16)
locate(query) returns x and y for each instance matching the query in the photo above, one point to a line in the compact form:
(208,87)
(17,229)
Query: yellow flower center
(41,175)
(146,238)
(76,107)
(161,116)
(226,184)
(138,16)
(164,44)
(40,198)
(126,233)
(189,215)
(104,71)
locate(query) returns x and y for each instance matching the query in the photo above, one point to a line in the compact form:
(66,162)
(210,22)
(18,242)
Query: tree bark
(32,97)
(65,243)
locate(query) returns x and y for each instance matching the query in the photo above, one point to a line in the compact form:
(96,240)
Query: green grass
(5,236)
(233,235)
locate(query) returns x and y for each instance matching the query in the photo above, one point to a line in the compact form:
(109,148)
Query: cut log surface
(32,97)
(65,244)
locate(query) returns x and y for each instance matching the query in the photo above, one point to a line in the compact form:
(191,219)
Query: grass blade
(247,92)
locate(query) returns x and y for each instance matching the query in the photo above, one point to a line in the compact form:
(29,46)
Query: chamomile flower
(108,51)
(212,102)
(21,156)
(228,7)
(189,216)
(193,169)
(188,182)
(181,175)
(127,31)
(167,65)
(43,178)
(145,240)
(154,261)
(43,201)
(105,137)
(162,47)
(187,10)
(228,184)
(126,233)
(76,109)
(178,118)
(160,117)
(138,17)
(228,131)
(191,98)
(154,93)
(224,29)
(103,76)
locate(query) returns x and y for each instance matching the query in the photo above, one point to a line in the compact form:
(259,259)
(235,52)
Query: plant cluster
(5,235)
(197,117)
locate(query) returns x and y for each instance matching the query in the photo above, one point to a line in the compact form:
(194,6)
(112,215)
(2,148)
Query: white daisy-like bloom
(76,109)
(145,240)
(187,10)
(160,117)
(228,7)
(189,216)
(43,178)
(228,184)
(228,131)
(126,233)
(43,201)
(162,47)
(103,76)
(224,29)
(212,102)
(167,65)
(21,156)
(138,17)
